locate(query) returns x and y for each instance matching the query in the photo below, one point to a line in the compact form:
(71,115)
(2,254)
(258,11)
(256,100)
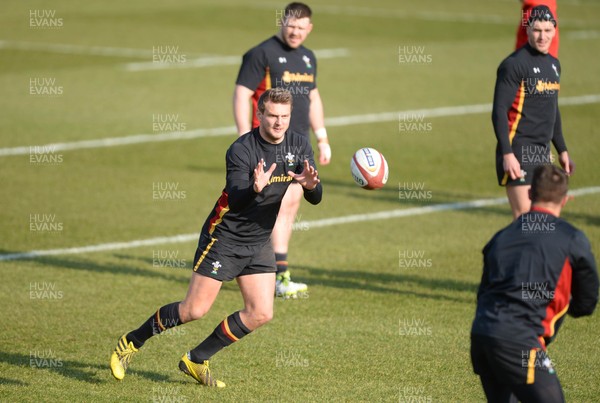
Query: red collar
(542,210)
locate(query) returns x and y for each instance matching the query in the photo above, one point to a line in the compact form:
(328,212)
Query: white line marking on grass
(206,61)
(327,222)
(209,61)
(121,141)
(196,62)
(69,49)
(230,130)
(100,247)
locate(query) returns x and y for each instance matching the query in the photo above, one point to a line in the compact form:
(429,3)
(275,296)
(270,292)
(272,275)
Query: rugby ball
(369,168)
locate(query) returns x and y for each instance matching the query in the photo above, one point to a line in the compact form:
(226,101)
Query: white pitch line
(209,61)
(230,130)
(195,62)
(121,141)
(70,49)
(327,222)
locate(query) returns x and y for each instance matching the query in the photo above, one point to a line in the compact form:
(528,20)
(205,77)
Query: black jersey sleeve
(253,68)
(584,283)
(558,140)
(315,195)
(508,81)
(239,186)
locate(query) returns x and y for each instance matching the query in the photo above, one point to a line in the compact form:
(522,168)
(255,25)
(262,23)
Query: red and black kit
(525,112)
(273,64)
(235,238)
(536,270)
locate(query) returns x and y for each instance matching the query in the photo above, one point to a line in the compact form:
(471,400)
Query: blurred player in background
(527,6)
(235,240)
(282,61)
(525,112)
(535,271)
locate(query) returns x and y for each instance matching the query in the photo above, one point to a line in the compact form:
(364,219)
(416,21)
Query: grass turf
(370,329)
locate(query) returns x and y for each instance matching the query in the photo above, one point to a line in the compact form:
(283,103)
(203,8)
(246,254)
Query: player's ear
(309,28)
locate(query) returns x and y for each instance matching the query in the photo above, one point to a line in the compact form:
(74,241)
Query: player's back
(526,283)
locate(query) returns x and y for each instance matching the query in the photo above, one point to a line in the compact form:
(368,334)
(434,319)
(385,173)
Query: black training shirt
(535,271)
(525,109)
(273,64)
(243,216)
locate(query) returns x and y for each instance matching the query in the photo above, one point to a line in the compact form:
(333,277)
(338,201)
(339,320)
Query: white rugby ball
(369,168)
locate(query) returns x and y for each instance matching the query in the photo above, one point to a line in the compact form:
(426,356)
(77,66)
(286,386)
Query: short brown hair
(275,95)
(297,10)
(549,184)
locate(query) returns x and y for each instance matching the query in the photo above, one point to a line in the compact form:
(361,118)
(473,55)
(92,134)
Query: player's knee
(188,312)
(261,317)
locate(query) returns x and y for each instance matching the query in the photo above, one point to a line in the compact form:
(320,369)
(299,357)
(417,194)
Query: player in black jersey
(283,61)
(234,241)
(535,271)
(525,113)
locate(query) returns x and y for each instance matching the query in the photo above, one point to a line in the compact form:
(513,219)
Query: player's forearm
(584,299)
(558,139)
(241,111)
(584,283)
(500,123)
(315,195)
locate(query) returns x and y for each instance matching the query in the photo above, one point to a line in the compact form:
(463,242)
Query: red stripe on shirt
(560,303)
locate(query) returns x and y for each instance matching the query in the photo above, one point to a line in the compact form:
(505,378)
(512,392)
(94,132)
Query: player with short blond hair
(282,61)
(234,242)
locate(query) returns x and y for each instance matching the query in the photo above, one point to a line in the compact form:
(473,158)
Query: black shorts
(225,261)
(509,363)
(530,156)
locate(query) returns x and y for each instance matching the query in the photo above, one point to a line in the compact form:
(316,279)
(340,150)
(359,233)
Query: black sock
(230,330)
(282,264)
(165,318)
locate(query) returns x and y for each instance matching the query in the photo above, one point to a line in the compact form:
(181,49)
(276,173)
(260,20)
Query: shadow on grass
(111,268)
(391,283)
(13,382)
(78,370)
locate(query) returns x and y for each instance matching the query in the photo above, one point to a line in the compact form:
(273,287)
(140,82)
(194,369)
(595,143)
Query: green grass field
(370,329)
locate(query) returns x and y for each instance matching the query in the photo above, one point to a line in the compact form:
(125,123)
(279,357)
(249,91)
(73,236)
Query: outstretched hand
(308,178)
(261,178)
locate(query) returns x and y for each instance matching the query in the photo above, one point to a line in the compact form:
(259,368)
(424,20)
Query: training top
(274,64)
(243,216)
(525,109)
(534,271)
